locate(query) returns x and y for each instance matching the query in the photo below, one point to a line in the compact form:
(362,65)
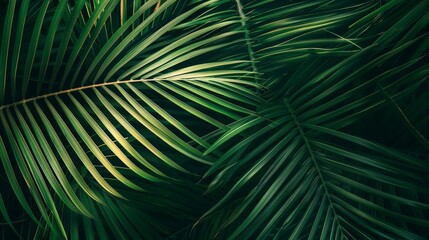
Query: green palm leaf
(191,119)
(56,128)
(306,170)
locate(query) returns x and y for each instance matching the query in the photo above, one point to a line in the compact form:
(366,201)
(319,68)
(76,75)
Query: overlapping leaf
(314,163)
(214,119)
(94,89)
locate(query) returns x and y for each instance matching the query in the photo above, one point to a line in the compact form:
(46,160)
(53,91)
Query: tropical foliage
(214,119)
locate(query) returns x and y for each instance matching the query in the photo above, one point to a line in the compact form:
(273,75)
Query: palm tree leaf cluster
(214,119)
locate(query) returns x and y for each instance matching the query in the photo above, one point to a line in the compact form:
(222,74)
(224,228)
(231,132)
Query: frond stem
(313,159)
(247,38)
(67,91)
(97,85)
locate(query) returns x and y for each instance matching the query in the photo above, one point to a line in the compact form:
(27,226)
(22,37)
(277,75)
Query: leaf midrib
(77,89)
(313,159)
(247,37)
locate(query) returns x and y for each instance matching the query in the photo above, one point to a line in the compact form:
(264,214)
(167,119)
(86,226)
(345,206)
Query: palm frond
(55,127)
(191,119)
(305,168)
